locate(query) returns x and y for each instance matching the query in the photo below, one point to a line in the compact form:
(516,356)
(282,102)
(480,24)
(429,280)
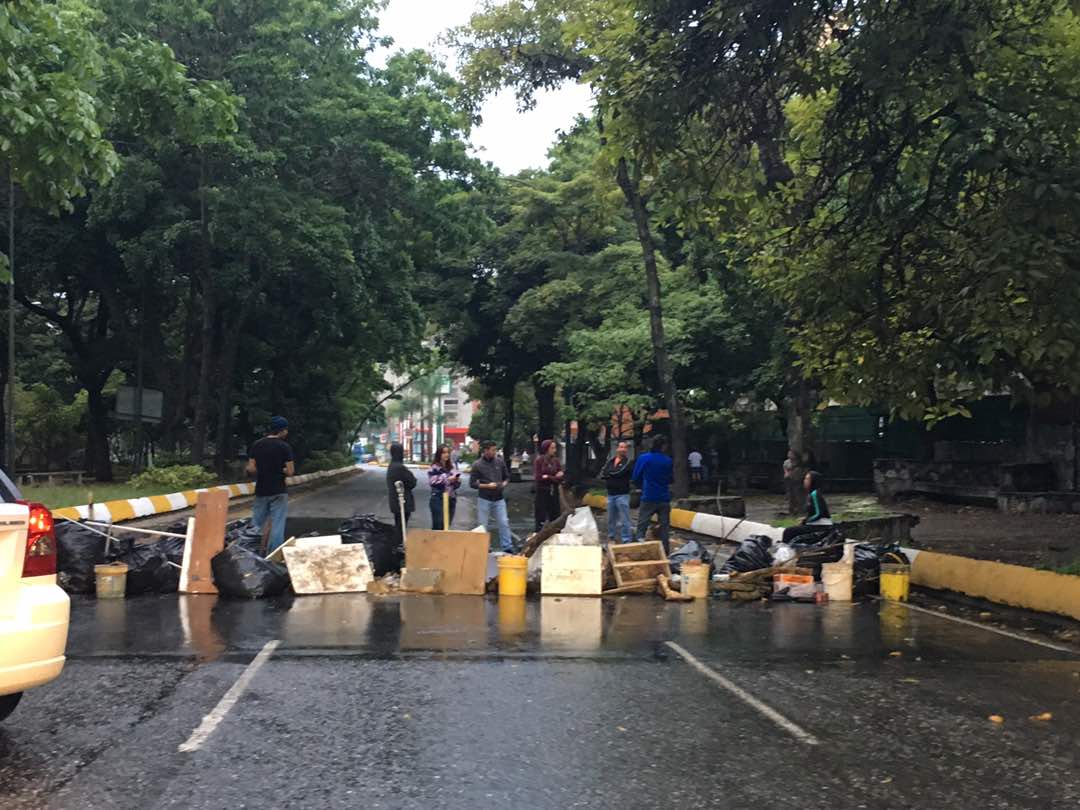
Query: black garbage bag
(172,548)
(249,537)
(234,529)
(243,574)
(79,549)
(866,579)
(752,555)
(815,545)
(149,570)
(693,550)
(381,540)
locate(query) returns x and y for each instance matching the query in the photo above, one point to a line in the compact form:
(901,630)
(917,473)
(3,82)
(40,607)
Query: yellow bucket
(512,575)
(110,580)
(895,581)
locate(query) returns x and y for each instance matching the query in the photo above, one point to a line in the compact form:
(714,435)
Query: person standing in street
(455,457)
(397,471)
(696,461)
(652,473)
(270,460)
(616,476)
(547,476)
(791,481)
(489,476)
(443,478)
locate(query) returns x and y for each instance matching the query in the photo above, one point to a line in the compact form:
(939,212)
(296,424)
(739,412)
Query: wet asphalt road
(417,701)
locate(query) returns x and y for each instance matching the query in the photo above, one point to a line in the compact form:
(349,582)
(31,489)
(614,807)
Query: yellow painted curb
(1044,591)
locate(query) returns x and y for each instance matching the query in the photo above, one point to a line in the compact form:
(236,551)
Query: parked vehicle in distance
(34,610)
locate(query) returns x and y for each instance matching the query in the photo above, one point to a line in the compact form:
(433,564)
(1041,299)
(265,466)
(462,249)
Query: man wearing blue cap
(270,460)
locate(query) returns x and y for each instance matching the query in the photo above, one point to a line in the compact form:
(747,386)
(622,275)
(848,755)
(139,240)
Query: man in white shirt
(695,458)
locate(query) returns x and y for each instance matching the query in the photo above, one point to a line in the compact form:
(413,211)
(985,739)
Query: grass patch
(1072,569)
(57,496)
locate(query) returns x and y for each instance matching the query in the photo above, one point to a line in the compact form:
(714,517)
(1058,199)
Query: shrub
(173,479)
(328,460)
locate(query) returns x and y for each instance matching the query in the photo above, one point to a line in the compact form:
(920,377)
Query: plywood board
(571,570)
(207,540)
(329,569)
(461,556)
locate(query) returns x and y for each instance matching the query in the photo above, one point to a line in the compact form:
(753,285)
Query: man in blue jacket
(653,474)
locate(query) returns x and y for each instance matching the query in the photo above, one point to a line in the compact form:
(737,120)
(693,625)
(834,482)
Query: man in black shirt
(397,471)
(270,460)
(490,476)
(616,475)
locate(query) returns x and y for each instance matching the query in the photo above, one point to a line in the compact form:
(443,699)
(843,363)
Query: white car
(34,611)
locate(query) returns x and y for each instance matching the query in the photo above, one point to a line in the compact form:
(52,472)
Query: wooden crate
(638,563)
(571,570)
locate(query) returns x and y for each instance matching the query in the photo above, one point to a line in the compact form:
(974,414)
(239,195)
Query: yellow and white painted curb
(130,508)
(1015,585)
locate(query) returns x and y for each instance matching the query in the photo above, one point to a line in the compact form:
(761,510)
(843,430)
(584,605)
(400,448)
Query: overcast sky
(511,140)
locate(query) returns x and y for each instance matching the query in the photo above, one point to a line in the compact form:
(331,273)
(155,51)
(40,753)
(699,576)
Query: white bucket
(837,577)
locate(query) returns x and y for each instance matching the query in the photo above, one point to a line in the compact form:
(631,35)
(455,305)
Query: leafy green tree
(52,118)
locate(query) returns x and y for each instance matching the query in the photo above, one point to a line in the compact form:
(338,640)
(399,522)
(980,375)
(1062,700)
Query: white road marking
(213,720)
(998,630)
(799,733)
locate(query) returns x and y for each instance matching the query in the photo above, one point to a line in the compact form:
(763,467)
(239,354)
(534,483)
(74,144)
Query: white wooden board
(571,570)
(329,569)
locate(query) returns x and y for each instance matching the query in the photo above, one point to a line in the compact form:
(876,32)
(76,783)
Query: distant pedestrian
(270,460)
(817,511)
(489,476)
(455,457)
(697,471)
(653,473)
(616,476)
(397,471)
(791,481)
(443,477)
(547,476)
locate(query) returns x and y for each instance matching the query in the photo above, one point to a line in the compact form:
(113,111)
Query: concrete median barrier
(150,505)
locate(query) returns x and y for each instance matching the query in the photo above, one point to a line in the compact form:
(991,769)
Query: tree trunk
(225,389)
(631,191)
(797,406)
(545,409)
(98,462)
(508,429)
(206,367)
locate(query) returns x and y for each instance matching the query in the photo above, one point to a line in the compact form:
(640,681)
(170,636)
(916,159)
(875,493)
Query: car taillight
(40,542)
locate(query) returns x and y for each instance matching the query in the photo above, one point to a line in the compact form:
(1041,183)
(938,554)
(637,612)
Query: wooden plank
(645,586)
(208,539)
(461,556)
(571,570)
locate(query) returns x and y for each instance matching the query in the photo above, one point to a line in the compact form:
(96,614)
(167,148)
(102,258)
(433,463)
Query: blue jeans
(274,508)
(662,510)
(484,510)
(437,514)
(618,518)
